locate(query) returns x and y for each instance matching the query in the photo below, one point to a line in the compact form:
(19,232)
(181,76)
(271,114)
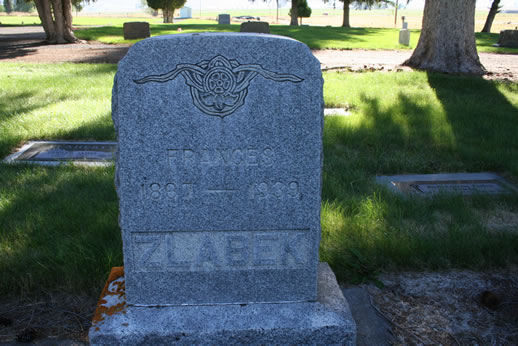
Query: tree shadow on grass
(485,128)
(99,128)
(58,228)
(366,228)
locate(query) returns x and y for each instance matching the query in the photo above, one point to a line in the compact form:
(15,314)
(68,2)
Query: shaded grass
(58,226)
(316,37)
(415,123)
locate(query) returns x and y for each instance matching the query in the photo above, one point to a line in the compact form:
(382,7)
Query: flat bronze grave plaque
(454,183)
(57,152)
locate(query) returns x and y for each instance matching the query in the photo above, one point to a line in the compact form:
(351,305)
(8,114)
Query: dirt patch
(452,308)
(53,315)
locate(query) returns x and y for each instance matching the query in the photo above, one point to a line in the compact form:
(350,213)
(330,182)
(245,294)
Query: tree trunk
(447,41)
(56,19)
(346,23)
(67,12)
(8,6)
(168,15)
(59,20)
(491,16)
(294,13)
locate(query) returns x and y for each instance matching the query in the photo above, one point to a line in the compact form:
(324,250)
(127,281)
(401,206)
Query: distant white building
(185,12)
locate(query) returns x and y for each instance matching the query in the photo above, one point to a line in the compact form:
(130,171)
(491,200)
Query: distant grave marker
(455,183)
(508,38)
(58,152)
(257,27)
(224,18)
(135,30)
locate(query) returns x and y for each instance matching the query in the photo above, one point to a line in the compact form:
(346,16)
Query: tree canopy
(303,10)
(167,6)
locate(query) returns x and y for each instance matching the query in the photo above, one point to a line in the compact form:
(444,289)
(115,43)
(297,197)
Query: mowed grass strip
(58,225)
(48,101)
(316,37)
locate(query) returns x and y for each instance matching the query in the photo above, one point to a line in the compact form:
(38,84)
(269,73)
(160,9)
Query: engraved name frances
(248,157)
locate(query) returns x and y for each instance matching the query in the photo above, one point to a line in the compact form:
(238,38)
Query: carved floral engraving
(219,86)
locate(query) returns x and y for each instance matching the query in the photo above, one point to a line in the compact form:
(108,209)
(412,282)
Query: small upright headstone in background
(224,19)
(256,27)
(405,24)
(219,172)
(508,38)
(135,30)
(404,33)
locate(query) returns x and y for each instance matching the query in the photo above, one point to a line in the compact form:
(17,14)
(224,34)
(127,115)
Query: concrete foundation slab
(328,321)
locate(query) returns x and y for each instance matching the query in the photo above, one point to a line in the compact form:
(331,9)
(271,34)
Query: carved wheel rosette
(219,86)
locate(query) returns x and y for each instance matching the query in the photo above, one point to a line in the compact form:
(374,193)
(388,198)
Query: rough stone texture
(224,19)
(134,30)
(219,169)
(508,38)
(257,27)
(404,37)
(327,321)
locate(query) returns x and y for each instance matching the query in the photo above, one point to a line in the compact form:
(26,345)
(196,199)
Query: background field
(367,19)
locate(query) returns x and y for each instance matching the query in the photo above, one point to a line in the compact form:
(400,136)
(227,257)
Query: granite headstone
(219,180)
(508,38)
(224,18)
(404,37)
(257,27)
(134,30)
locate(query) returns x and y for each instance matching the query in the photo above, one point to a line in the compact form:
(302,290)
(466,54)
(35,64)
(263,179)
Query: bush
(24,6)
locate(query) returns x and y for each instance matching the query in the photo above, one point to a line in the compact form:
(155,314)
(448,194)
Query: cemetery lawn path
(24,44)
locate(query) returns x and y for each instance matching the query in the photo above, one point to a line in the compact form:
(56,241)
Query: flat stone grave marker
(455,183)
(58,152)
(219,172)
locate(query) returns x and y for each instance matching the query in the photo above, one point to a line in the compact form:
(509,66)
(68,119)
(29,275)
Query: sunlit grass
(58,226)
(68,101)
(316,37)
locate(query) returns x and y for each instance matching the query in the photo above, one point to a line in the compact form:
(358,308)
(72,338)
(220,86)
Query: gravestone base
(327,321)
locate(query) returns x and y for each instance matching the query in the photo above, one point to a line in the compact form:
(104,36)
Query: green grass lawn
(109,30)
(316,37)
(58,225)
